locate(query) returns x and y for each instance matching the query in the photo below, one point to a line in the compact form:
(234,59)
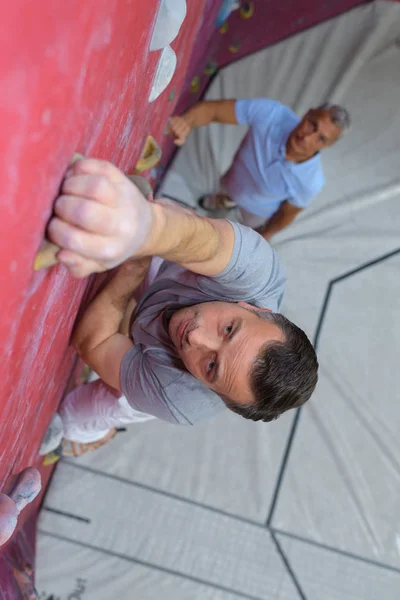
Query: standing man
(277,169)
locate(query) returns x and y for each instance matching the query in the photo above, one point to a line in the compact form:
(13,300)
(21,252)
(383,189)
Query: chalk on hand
(47,255)
(150,156)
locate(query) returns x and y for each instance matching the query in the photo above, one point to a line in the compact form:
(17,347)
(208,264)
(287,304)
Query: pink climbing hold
(8,518)
(27,488)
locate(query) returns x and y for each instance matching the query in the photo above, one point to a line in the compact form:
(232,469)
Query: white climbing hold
(53,436)
(8,518)
(165,70)
(170,17)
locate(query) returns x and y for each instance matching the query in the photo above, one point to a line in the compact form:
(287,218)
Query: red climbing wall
(75,77)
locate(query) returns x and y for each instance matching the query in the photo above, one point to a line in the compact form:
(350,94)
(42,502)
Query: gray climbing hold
(53,436)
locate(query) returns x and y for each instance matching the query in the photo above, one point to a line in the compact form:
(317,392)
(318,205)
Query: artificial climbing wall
(76,77)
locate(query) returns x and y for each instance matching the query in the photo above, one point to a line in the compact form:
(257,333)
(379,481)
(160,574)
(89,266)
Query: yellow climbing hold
(47,255)
(150,156)
(224,27)
(210,68)
(233,48)
(247,10)
(195,84)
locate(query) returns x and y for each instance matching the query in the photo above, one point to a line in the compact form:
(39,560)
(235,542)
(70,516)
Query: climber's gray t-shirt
(153,378)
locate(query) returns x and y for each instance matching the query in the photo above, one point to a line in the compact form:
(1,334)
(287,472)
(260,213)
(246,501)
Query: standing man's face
(218,343)
(314,133)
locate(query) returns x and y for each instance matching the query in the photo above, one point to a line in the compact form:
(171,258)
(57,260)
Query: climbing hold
(211,68)
(8,518)
(27,488)
(233,48)
(223,28)
(143,185)
(53,436)
(150,156)
(195,84)
(247,10)
(47,254)
(52,457)
(46,257)
(170,17)
(171,95)
(165,70)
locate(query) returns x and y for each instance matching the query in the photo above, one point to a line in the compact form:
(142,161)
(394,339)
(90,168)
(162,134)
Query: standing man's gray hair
(340,116)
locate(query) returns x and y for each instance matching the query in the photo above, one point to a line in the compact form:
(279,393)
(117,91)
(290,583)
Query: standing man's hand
(202,113)
(101,218)
(179,128)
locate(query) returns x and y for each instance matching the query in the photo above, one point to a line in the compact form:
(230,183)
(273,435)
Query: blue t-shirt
(260,177)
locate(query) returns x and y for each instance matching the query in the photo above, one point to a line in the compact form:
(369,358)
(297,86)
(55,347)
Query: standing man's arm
(202,113)
(285,214)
